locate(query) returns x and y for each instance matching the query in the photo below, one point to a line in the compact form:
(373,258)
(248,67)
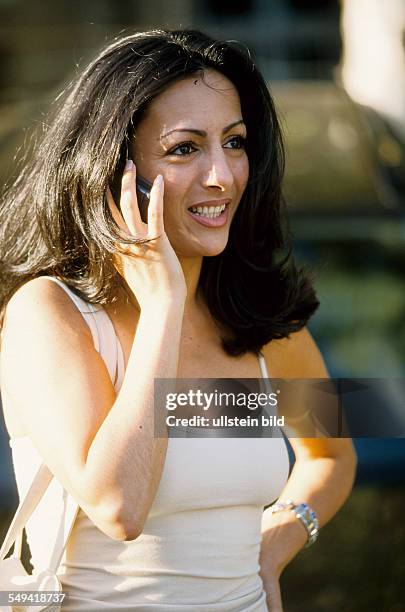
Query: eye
(185,148)
(236,142)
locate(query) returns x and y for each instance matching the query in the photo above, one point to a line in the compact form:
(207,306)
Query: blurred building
(373,70)
(345,163)
(42,41)
(338,80)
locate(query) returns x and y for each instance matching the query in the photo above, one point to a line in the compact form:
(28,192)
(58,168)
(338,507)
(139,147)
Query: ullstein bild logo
(276,407)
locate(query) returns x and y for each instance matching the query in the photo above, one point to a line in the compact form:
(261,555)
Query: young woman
(198,284)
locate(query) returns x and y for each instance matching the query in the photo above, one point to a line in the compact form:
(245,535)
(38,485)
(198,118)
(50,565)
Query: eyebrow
(201,132)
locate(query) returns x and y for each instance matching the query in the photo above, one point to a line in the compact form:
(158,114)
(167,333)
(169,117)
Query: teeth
(211,212)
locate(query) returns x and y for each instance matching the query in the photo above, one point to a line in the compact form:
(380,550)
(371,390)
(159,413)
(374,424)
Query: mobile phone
(143,188)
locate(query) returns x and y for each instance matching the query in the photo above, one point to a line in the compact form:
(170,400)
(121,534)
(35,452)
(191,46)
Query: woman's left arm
(323,473)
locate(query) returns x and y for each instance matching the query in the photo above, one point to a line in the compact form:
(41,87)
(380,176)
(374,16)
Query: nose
(218,173)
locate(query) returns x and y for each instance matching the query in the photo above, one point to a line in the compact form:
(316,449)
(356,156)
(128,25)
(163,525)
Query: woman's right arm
(99,445)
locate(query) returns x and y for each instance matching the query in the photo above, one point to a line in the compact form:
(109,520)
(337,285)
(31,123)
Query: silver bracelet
(304,513)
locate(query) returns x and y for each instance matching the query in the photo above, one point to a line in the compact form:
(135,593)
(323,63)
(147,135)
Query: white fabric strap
(120,366)
(265,373)
(106,343)
(26,507)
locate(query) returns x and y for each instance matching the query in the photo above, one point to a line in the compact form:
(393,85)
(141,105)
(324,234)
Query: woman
(178,525)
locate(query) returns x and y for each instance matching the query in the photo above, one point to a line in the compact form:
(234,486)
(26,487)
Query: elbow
(113,515)
(352,457)
(131,530)
(349,464)
(122,532)
(354,465)
(118,528)
(125,533)
(345,453)
(126,529)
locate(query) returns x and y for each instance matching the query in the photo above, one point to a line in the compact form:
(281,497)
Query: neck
(191,269)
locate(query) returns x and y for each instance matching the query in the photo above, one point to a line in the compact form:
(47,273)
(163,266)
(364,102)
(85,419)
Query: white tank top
(199,548)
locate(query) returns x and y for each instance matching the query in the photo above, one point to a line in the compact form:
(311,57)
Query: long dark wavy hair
(54,219)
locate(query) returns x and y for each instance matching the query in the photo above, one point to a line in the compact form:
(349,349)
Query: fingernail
(129,165)
(159,180)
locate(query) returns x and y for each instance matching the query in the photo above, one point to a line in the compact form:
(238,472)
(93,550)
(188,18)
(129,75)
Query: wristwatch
(304,513)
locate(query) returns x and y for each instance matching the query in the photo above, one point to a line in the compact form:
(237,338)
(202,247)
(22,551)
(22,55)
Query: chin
(203,250)
(213,250)
(195,246)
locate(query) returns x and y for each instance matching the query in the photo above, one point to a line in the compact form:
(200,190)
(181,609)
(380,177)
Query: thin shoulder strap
(263,367)
(105,342)
(266,379)
(120,366)
(265,373)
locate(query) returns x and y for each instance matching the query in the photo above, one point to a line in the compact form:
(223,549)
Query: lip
(217,221)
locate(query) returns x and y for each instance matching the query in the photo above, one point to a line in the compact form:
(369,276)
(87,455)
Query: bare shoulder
(48,365)
(297,356)
(43,302)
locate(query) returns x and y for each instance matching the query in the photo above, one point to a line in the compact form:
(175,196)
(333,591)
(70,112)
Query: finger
(129,201)
(115,212)
(155,208)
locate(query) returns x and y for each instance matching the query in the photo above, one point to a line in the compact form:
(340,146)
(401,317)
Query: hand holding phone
(155,274)
(143,189)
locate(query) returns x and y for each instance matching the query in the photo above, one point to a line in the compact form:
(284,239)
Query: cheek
(173,200)
(177,185)
(242,172)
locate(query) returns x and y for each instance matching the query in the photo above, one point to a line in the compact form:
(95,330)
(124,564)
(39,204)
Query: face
(193,134)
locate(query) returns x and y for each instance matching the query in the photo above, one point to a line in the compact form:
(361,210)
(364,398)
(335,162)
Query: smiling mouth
(208,212)
(210,216)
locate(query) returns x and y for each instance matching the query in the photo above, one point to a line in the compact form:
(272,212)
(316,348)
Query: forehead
(200,98)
